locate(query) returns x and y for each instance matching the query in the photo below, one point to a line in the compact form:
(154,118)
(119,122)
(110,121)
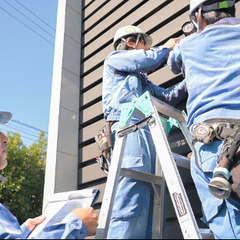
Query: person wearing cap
(77,225)
(124,78)
(209,59)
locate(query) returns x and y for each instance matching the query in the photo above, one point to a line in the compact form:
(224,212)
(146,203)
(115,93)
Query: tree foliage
(22,193)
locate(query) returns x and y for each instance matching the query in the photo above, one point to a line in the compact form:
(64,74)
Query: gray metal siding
(162,20)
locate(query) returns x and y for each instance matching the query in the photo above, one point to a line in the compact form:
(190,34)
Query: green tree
(23,190)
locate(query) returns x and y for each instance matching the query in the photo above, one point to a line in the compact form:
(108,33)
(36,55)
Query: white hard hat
(5,117)
(196,5)
(129,30)
(221,4)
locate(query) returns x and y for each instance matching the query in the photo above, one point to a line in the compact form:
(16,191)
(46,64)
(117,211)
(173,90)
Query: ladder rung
(141,176)
(181,161)
(206,233)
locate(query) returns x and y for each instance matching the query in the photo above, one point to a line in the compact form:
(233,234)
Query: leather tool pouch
(104,142)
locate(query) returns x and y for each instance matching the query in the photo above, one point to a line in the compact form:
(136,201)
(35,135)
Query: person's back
(211,60)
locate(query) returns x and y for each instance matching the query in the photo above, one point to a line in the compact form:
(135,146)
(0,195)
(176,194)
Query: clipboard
(61,204)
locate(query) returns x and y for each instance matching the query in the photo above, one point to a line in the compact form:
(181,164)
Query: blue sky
(26,63)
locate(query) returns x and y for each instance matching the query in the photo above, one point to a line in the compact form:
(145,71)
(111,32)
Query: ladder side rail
(176,189)
(110,188)
(170,111)
(187,134)
(158,211)
(159,218)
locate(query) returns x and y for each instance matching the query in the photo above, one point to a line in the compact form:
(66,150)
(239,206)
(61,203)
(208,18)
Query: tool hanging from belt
(227,130)
(104,141)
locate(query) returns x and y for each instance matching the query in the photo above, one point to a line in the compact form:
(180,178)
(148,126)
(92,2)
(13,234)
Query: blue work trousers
(133,205)
(222,216)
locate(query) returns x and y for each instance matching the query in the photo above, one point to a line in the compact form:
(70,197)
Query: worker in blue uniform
(209,60)
(76,225)
(124,78)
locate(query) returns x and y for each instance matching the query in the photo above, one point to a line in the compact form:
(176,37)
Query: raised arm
(172,95)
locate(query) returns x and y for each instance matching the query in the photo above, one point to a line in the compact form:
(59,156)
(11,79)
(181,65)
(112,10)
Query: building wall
(62,153)
(85,31)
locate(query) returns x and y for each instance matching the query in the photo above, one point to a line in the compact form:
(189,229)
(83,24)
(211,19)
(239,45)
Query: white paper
(61,204)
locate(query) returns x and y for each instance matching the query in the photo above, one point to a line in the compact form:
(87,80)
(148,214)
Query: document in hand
(61,204)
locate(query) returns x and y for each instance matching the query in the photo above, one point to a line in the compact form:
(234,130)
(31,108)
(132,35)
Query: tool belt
(214,129)
(227,130)
(104,142)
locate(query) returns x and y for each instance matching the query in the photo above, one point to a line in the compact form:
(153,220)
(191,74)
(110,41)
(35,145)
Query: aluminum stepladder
(149,109)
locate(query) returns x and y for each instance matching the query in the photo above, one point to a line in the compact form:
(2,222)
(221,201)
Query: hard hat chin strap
(120,44)
(199,21)
(137,40)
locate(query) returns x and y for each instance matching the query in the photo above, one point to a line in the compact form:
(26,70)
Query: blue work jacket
(70,228)
(125,77)
(210,62)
